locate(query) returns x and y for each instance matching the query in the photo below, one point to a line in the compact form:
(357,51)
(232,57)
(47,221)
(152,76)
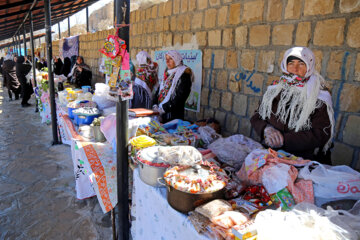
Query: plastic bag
(306,221)
(208,134)
(180,155)
(233,150)
(332,183)
(102,97)
(276,178)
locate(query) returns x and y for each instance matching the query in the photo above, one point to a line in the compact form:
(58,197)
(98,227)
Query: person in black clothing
(11,81)
(66,68)
(81,73)
(174,88)
(58,64)
(23,67)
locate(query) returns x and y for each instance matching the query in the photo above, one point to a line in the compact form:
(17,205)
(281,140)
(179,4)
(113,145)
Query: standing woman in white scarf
(296,112)
(174,88)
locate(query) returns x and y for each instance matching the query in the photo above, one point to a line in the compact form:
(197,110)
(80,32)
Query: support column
(50,73)
(24,40)
(69,26)
(59,30)
(19,42)
(123,229)
(87,19)
(33,54)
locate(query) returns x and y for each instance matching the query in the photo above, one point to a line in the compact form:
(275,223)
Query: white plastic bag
(180,155)
(333,182)
(233,150)
(208,134)
(276,178)
(102,97)
(306,221)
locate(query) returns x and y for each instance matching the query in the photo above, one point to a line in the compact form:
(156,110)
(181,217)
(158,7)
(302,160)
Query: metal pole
(69,26)
(19,42)
(14,45)
(59,30)
(33,55)
(123,230)
(50,73)
(24,39)
(87,19)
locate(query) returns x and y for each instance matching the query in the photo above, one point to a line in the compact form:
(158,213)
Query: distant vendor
(175,88)
(296,112)
(81,73)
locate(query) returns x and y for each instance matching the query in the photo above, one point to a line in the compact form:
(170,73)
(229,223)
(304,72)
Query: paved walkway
(37,186)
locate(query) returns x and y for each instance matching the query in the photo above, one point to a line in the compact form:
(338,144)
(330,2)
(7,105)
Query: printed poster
(192,59)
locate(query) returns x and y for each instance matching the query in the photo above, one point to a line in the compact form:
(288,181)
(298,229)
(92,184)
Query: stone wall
(243,42)
(247,39)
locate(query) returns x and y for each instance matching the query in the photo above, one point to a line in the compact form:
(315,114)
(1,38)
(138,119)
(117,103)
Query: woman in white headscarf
(174,88)
(146,81)
(296,112)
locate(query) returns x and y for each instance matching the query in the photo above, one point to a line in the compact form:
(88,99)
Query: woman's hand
(273,137)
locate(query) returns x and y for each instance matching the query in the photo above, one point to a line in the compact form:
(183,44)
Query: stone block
(161,9)
(143,15)
(318,7)
(173,23)
(234,85)
(221,117)
(347,6)
(184,5)
(274,10)
(219,58)
(227,38)
(240,104)
(226,101)
(245,127)
(148,40)
(154,11)
(168,8)
(248,59)
(336,63)
(253,11)
(201,38)
(292,9)
(148,13)
(168,39)
(154,41)
(227,1)
(214,99)
(210,18)
(178,39)
(176,6)
(254,85)
(137,16)
(259,35)
(241,36)
(266,61)
(200,115)
(214,38)
(303,34)
(329,32)
(221,80)
(151,26)
(341,154)
(282,34)
(253,105)
(214,3)
(166,26)
(234,13)
(357,68)
(350,98)
(207,57)
(159,25)
(160,40)
(197,20)
(187,37)
(231,59)
(191,5)
(232,123)
(209,113)
(204,96)
(132,17)
(353,34)
(202,4)
(222,15)
(187,22)
(180,23)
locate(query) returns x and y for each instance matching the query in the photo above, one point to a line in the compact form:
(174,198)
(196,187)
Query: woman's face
(170,63)
(296,67)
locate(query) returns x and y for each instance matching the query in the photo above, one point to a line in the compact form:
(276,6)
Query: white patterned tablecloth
(154,218)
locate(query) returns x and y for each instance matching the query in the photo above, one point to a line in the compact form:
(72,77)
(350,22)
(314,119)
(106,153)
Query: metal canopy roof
(13,13)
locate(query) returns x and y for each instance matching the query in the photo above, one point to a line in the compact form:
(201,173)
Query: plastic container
(86,120)
(86,89)
(70,113)
(99,136)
